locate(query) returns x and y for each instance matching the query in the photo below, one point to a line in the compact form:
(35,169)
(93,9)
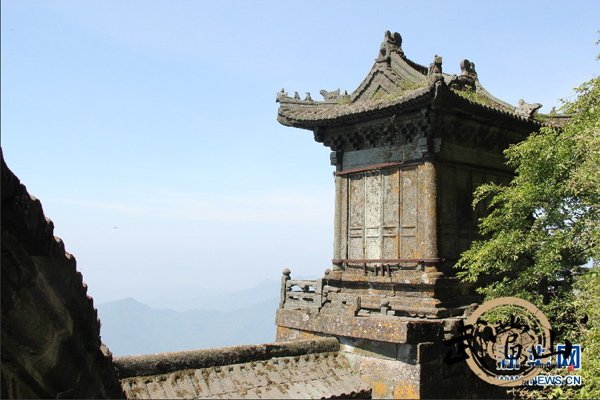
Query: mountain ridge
(130,327)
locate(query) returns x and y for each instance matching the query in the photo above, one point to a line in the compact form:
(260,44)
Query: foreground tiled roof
(314,376)
(325,374)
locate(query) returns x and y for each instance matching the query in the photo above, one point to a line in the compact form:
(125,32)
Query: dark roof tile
(321,375)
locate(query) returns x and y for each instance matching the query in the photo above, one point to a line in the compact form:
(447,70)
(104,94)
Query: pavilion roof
(396,84)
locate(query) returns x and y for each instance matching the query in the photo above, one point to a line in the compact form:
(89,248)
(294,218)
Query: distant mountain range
(130,327)
(189,297)
(190,318)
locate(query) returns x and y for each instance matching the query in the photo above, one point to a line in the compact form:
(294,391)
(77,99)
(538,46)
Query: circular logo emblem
(507,339)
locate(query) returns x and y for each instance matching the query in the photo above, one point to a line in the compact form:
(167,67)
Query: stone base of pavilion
(402,358)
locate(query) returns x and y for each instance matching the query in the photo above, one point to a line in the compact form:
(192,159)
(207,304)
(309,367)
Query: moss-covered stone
(474,97)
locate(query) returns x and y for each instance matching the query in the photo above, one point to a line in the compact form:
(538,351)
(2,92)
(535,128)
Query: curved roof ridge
(480,89)
(501,111)
(305,117)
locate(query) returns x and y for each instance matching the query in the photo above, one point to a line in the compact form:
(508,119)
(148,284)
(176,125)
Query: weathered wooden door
(382,214)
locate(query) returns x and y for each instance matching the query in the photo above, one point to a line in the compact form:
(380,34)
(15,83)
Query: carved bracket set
(393,132)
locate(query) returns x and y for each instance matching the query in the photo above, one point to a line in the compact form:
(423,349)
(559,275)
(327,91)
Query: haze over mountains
(190,297)
(190,319)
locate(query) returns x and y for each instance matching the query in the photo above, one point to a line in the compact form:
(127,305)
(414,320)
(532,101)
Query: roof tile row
(322,375)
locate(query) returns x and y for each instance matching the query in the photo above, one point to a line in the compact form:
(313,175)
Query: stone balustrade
(301,294)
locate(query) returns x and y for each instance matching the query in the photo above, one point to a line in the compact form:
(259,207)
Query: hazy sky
(148,128)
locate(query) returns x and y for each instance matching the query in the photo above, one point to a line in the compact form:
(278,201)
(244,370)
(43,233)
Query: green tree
(589,335)
(546,224)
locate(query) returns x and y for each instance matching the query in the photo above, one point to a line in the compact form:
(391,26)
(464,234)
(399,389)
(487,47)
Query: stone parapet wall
(50,329)
(162,363)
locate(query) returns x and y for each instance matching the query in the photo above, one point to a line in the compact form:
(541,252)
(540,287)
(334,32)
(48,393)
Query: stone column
(428,214)
(337,220)
(336,159)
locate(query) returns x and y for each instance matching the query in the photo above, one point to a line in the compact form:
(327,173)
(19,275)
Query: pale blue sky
(148,128)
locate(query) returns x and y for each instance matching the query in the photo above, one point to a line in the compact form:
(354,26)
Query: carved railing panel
(300,294)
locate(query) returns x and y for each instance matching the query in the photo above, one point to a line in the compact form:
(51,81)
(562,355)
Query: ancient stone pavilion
(409,147)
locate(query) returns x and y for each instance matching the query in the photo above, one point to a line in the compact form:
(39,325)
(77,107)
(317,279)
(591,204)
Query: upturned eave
(342,114)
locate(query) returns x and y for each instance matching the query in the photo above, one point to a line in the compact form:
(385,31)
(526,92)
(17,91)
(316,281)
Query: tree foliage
(546,224)
(547,221)
(588,301)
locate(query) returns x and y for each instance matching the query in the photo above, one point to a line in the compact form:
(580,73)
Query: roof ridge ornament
(282,95)
(335,96)
(467,68)
(283,98)
(467,81)
(330,95)
(435,70)
(527,110)
(392,43)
